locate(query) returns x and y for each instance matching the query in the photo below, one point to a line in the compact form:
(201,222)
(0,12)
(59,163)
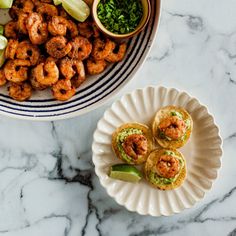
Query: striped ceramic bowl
(95,91)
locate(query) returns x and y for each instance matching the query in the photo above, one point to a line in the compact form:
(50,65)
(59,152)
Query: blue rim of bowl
(106,85)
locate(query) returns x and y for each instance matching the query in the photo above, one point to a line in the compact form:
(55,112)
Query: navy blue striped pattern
(96,89)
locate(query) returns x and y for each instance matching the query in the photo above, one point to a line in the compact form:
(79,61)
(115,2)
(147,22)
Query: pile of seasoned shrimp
(48,49)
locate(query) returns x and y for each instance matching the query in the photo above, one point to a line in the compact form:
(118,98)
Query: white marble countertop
(48,186)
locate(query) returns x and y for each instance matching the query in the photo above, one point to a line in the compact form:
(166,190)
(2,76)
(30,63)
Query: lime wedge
(78,9)
(57,2)
(125,172)
(6,3)
(3,42)
(1,29)
(2,57)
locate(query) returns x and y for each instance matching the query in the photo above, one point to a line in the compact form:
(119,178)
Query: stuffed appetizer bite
(165,169)
(172,127)
(132,143)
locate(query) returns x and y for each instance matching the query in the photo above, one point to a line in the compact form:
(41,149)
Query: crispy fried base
(146,132)
(164,113)
(151,164)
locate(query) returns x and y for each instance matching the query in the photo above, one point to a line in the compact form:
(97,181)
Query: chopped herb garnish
(188,123)
(176,113)
(120,16)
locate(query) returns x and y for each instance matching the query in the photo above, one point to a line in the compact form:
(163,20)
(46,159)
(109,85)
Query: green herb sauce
(120,16)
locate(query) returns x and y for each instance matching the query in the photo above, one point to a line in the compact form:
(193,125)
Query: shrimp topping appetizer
(172,127)
(48,49)
(135,145)
(132,143)
(165,169)
(168,166)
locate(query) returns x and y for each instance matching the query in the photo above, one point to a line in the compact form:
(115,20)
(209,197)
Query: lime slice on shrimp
(78,9)
(2,57)
(125,172)
(57,2)
(6,3)
(3,42)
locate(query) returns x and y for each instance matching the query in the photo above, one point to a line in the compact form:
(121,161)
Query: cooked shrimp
(72,28)
(42,59)
(26,6)
(35,84)
(21,6)
(96,32)
(173,127)
(37,2)
(11,29)
(52,59)
(135,145)
(14,12)
(63,13)
(11,48)
(20,92)
(28,51)
(46,73)
(58,26)
(117,54)
(102,49)
(89,2)
(63,90)
(46,1)
(85,29)
(16,70)
(3,79)
(58,47)
(66,68)
(37,29)
(96,66)
(73,70)
(168,166)
(79,77)
(88,29)
(81,48)
(47,10)
(21,23)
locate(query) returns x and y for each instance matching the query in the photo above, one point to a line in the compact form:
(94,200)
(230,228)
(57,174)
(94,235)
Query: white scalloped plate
(202,152)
